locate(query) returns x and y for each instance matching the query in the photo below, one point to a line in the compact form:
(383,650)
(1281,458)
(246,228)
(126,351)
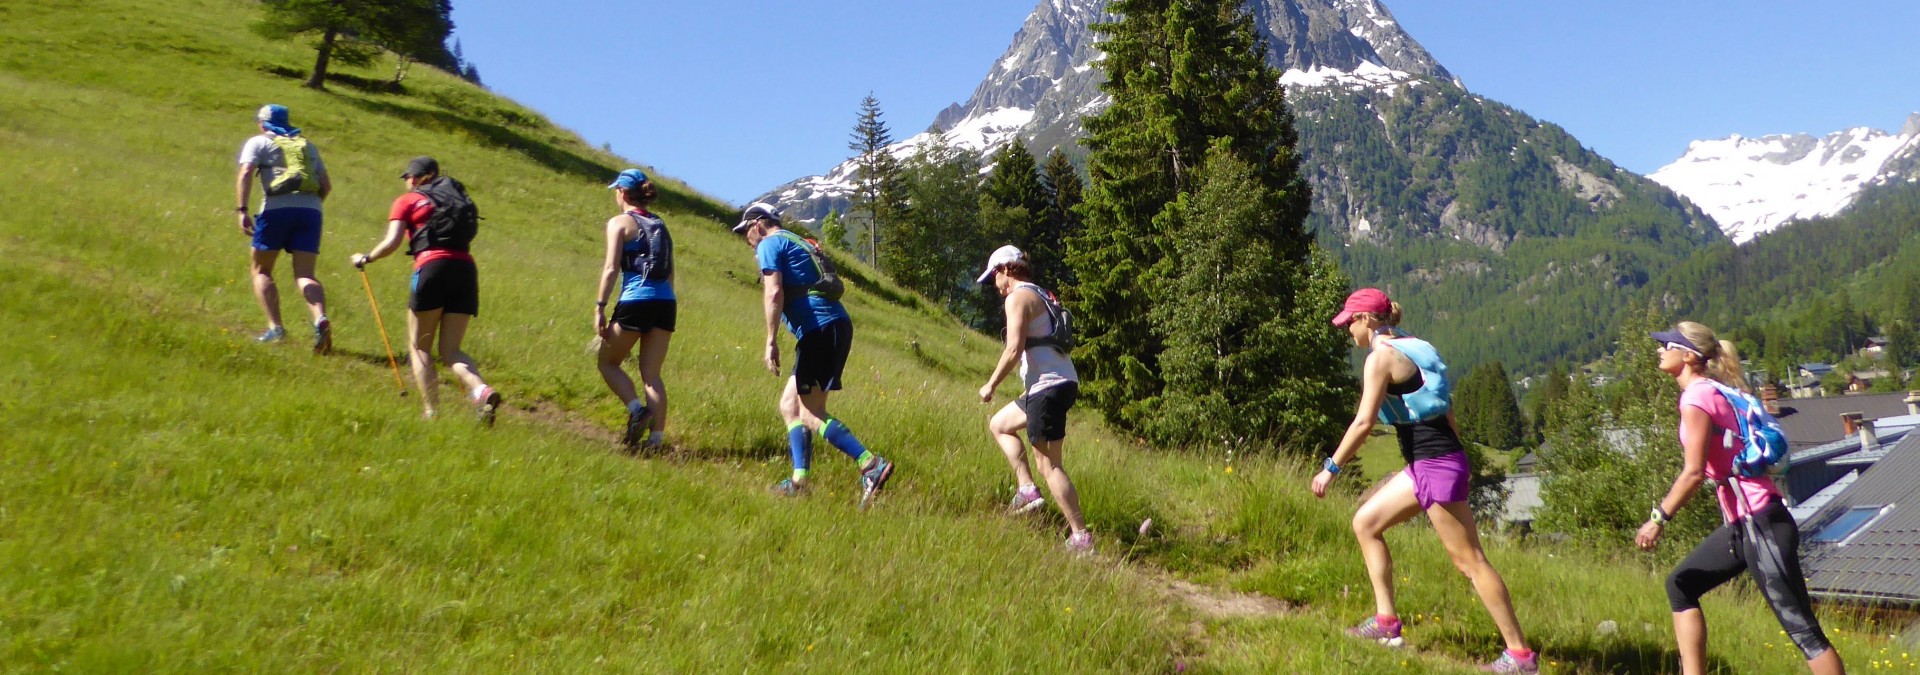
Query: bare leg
(260,268)
(1048,457)
(1827,663)
(613,353)
(1005,428)
(1392,505)
(420,329)
(1454,523)
(453,329)
(653,356)
(1690,631)
(310,289)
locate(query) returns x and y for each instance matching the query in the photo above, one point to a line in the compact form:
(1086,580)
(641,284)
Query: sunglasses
(1675,346)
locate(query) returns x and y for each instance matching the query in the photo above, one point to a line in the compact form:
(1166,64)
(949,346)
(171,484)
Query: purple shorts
(1441,480)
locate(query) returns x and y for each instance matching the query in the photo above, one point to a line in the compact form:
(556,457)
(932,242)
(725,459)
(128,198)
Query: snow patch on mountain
(1752,185)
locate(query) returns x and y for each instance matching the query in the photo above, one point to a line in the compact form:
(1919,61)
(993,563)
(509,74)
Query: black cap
(421,166)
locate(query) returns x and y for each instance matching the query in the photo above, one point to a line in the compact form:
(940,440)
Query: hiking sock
(1521,655)
(1387,621)
(832,431)
(636,405)
(802,448)
(655,438)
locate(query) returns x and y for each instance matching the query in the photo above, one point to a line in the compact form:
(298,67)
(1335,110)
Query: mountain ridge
(1752,185)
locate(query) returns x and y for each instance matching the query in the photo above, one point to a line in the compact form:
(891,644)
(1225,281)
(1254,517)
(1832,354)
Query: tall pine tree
(1487,410)
(1188,78)
(876,197)
(1059,223)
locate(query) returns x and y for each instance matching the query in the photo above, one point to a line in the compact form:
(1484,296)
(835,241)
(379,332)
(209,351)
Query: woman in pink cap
(1405,385)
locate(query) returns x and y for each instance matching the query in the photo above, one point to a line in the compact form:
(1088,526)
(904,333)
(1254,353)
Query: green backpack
(297,175)
(829,286)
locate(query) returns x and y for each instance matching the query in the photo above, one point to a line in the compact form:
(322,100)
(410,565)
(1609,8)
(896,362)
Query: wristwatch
(1331,467)
(239,209)
(1659,516)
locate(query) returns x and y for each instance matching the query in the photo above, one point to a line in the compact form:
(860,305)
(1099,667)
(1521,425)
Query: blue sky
(738,96)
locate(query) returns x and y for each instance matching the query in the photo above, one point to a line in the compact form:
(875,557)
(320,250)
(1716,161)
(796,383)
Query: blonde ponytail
(1720,360)
(1725,367)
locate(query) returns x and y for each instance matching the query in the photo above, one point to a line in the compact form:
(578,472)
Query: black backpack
(655,263)
(454,221)
(1061,337)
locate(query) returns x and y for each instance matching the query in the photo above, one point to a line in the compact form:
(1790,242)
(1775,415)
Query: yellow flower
(1229,469)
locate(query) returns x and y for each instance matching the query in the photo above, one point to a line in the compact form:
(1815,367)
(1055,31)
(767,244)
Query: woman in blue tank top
(639,261)
(1405,384)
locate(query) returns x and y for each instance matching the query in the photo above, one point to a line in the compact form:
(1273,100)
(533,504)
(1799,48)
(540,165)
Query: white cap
(1001,256)
(756,211)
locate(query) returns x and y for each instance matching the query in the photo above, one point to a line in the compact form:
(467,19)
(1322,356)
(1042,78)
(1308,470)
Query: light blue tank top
(1434,397)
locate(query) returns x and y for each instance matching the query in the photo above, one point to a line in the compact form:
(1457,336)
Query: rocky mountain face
(1752,185)
(1476,213)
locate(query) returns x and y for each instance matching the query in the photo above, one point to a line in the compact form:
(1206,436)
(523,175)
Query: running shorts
(821,355)
(641,316)
(449,284)
(1047,411)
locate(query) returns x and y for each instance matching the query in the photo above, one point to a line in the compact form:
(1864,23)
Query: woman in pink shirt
(1759,536)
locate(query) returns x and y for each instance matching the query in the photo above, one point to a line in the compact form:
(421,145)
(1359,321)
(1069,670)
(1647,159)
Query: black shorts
(821,356)
(1047,411)
(641,316)
(452,286)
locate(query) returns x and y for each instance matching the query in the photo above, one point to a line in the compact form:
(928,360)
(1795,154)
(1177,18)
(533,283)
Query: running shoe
(1025,500)
(787,488)
(488,401)
(1372,630)
(1080,543)
(873,479)
(638,420)
(274,334)
(323,337)
(1507,663)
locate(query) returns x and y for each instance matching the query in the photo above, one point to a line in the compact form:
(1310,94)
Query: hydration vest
(1434,397)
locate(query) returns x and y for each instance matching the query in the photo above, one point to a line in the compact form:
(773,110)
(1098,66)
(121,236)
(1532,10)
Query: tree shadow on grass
(539,151)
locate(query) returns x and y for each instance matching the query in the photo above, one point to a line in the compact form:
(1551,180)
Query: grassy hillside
(176,498)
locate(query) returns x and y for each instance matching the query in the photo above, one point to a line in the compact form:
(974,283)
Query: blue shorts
(287,230)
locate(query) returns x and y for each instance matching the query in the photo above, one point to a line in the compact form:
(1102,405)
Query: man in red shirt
(439,223)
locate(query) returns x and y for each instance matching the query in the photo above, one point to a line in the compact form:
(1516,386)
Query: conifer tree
(1059,223)
(1245,367)
(1183,78)
(1487,410)
(875,195)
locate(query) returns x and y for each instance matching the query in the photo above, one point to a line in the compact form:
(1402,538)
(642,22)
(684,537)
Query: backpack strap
(812,254)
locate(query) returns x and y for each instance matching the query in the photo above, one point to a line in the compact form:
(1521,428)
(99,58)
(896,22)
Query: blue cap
(629,179)
(273,116)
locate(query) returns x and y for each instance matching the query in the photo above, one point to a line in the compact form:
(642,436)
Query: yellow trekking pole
(383,329)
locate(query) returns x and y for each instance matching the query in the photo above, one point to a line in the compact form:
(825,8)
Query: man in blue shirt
(823,331)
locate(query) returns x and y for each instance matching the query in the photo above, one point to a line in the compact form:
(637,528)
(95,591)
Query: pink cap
(1363,301)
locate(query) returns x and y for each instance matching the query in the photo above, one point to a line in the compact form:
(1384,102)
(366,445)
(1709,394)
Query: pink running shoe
(488,402)
(1081,543)
(1025,500)
(1508,663)
(1372,630)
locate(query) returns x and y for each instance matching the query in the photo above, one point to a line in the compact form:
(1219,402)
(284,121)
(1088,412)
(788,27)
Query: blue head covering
(273,116)
(629,179)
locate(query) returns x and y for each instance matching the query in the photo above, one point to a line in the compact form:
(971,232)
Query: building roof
(1880,561)
(1523,498)
(1810,422)
(1804,511)
(1817,368)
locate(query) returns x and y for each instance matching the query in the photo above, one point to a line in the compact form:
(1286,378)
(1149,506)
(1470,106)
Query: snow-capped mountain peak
(1049,78)
(1752,185)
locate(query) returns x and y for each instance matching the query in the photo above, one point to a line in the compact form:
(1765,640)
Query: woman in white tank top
(1051,387)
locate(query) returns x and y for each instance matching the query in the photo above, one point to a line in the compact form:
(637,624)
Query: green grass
(179,499)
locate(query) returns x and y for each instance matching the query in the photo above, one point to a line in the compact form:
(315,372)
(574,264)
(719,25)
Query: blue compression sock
(801,445)
(842,438)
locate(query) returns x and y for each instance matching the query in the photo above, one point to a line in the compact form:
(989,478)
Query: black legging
(1772,557)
